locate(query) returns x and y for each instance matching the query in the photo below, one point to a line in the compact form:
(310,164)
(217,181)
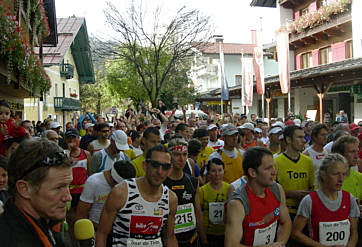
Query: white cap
(258,130)
(111,125)
(211,126)
(297,122)
(275,130)
(278,123)
(121,140)
(54,125)
(87,125)
(249,126)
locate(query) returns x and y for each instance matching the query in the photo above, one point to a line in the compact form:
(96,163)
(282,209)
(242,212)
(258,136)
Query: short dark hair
(181,127)
(216,161)
(151,130)
(289,131)
(28,154)
(194,147)
(201,132)
(134,134)
(125,169)
(24,122)
(158,148)
(100,126)
(4,103)
(317,128)
(252,158)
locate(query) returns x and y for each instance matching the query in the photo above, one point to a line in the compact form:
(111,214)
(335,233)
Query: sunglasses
(52,160)
(156,164)
(104,131)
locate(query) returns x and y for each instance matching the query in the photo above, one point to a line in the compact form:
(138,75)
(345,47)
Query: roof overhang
(82,56)
(52,39)
(264,3)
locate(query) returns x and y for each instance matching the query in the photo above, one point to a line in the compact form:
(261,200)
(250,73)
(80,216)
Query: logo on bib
(276,211)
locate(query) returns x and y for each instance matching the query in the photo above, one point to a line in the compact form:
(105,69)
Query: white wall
(357,110)
(356,28)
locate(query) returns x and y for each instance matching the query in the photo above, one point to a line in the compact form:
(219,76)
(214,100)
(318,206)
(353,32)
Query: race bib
(144,242)
(265,235)
(216,212)
(185,219)
(334,233)
(144,227)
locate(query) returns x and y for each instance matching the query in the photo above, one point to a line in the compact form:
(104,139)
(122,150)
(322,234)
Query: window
(306,60)
(303,11)
(210,60)
(321,3)
(56,90)
(238,79)
(349,49)
(70,91)
(325,55)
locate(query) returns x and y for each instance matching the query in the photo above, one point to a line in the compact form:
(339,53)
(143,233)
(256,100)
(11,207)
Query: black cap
(71,132)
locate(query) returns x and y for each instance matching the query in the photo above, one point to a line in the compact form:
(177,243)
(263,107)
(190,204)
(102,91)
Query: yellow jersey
(130,153)
(213,200)
(137,163)
(203,156)
(294,175)
(233,167)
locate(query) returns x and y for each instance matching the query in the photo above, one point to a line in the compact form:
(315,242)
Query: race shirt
(139,222)
(330,227)
(79,172)
(185,219)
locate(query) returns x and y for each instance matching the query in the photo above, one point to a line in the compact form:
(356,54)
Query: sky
(232,18)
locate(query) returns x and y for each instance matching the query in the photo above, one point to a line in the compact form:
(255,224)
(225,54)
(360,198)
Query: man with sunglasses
(189,218)
(40,173)
(141,211)
(102,141)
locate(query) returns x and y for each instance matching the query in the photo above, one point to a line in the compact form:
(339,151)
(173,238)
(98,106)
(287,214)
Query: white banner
(247,82)
(283,59)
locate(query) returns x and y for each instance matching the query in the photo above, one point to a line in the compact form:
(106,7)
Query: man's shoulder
(305,159)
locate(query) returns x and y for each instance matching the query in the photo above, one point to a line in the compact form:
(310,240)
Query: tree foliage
(152,51)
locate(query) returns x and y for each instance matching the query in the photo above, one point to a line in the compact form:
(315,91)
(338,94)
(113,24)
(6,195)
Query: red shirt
(11,133)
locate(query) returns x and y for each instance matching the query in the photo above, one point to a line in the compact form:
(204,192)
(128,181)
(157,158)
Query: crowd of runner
(148,178)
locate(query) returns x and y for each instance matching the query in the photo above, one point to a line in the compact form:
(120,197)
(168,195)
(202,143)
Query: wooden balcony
(339,25)
(66,104)
(291,4)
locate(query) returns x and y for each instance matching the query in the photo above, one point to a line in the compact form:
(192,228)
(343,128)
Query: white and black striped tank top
(139,222)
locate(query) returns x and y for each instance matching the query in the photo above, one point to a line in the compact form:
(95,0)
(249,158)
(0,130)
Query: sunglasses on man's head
(52,160)
(156,164)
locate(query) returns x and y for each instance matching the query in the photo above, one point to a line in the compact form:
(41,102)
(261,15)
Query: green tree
(154,49)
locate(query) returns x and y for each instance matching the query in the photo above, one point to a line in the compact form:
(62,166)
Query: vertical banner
(283,59)
(259,65)
(224,83)
(247,82)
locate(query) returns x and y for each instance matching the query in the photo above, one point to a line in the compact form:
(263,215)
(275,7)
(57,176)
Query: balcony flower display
(20,55)
(320,16)
(73,95)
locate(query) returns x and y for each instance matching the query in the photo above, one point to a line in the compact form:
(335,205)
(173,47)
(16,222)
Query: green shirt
(353,184)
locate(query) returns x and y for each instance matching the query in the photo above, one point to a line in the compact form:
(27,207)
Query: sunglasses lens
(156,164)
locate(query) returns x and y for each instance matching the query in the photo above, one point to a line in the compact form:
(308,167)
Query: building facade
(67,65)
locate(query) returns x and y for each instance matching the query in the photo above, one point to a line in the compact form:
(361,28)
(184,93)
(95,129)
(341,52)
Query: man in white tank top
(141,212)
(315,151)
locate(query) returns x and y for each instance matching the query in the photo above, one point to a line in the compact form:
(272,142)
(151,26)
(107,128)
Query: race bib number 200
(185,219)
(334,233)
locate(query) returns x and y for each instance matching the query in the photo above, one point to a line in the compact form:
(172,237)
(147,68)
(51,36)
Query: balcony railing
(66,104)
(67,71)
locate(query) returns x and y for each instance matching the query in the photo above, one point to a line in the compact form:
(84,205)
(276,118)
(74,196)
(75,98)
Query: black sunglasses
(52,160)
(156,164)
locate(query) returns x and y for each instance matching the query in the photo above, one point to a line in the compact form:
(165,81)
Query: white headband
(115,175)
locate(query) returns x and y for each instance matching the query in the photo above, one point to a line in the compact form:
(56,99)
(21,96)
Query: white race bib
(185,219)
(266,235)
(216,212)
(131,242)
(334,233)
